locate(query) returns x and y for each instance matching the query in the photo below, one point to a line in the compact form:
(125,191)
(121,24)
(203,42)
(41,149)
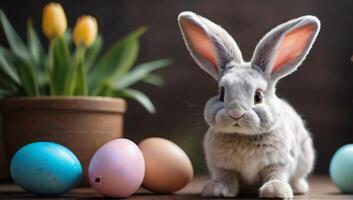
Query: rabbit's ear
(210,45)
(283,49)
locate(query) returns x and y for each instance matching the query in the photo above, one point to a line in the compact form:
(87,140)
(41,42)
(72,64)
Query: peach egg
(168,168)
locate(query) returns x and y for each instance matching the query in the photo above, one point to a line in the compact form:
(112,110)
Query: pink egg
(117,168)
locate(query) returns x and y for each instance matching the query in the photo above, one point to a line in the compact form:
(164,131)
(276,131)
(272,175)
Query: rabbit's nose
(235,115)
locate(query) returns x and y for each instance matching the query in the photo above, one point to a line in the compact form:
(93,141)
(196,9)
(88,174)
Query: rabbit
(256,142)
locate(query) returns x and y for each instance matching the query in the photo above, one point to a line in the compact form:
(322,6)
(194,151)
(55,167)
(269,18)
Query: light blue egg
(45,169)
(341,168)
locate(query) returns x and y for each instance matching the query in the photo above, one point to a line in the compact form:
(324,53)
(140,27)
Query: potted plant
(65,94)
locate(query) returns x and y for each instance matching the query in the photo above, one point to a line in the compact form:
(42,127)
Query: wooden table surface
(321,188)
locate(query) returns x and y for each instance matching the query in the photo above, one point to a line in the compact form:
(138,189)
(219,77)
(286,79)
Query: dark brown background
(322,89)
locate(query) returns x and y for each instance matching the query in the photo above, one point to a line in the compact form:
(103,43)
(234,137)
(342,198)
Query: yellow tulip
(54,21)
(85,31)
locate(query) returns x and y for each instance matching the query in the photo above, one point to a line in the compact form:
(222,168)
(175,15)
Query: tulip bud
(54,21)
(85,31)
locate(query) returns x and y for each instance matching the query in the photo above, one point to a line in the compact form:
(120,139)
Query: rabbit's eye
(221,94)
(258,96)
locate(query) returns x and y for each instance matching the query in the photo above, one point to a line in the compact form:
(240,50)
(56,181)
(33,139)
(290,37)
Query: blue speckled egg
(341,168)
(45,169)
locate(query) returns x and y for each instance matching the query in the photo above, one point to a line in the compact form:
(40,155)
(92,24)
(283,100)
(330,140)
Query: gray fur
(270,150)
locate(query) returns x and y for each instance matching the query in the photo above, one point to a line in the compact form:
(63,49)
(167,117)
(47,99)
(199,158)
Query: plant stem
(50,67)
(81,80)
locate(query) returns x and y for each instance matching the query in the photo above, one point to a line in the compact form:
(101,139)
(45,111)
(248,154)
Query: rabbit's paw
(276,189)
(300,187)
(220,189)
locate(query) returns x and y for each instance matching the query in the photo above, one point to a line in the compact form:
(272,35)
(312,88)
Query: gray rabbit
(255,141)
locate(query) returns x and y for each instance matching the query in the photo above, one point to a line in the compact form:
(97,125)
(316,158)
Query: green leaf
(14,40)
(139,73)
(38,56)
(28,77)
(35,46)
(61,73)
(154,80)
(20,73)
(24,62)
(68,39)
(106,90)
(43,79)
(6,83)
(80,87)
(7,67)
(117,60)
(92,53)
(134,36)
(68,36)
(140,97)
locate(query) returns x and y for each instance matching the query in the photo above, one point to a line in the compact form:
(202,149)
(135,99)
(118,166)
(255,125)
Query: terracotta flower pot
(82,124)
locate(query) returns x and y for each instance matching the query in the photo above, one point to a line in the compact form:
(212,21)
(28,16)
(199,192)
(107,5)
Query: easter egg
(341,168)
(168,168)
(117,168)
(45,169)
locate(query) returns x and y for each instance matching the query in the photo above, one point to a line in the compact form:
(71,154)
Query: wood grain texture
(321,188)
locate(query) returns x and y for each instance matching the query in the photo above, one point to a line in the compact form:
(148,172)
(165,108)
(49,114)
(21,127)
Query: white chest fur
(247,155)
